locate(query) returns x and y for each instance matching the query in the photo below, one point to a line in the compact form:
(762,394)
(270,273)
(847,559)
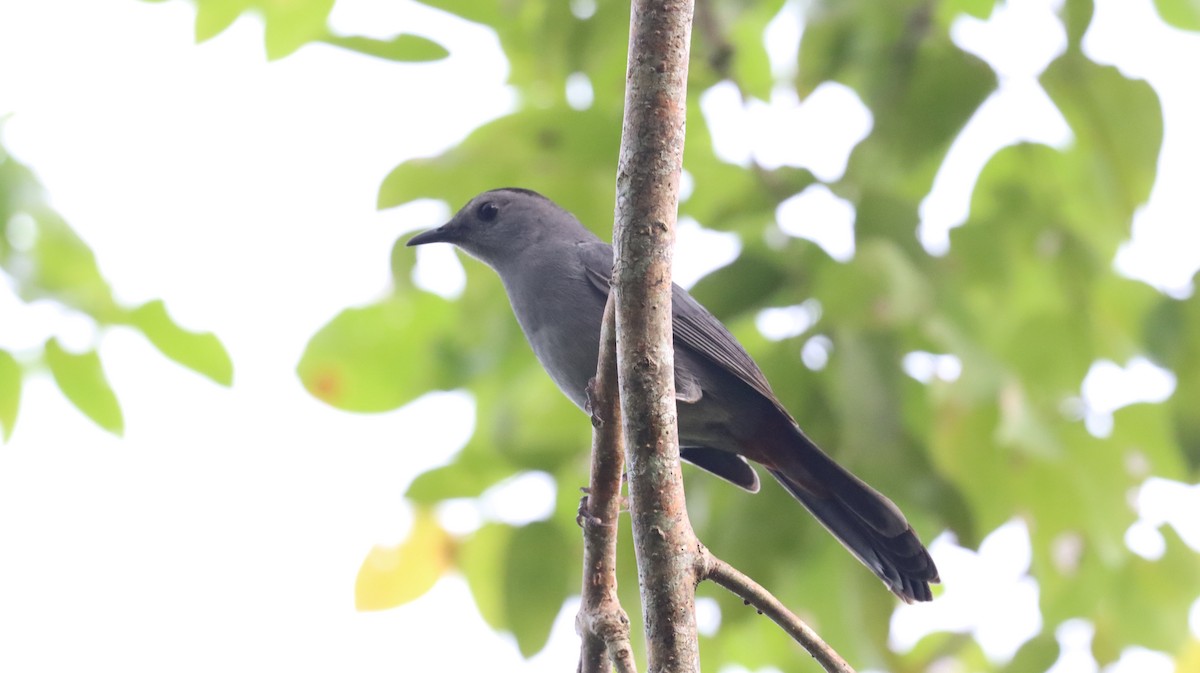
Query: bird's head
(498,226)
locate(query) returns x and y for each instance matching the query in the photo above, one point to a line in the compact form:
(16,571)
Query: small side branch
(720,572)
(601,622)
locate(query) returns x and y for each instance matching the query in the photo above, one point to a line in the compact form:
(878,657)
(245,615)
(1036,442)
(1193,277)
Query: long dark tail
(861,518)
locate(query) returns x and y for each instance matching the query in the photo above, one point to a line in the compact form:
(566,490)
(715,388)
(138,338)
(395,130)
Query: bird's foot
(584,515)
(589,405)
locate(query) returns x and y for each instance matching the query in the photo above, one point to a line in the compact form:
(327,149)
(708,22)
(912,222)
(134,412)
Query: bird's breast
(560,316)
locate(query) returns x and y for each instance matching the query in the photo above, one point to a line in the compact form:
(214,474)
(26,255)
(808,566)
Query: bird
(557,276)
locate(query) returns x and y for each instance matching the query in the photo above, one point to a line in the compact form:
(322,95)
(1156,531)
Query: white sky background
(227,526)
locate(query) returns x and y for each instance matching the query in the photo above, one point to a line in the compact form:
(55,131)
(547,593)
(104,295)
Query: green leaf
(81,378)
(746,283)
(1118,127)
(880,287)
(568,155)
(478,559)
(392,576)
(1169,585)
(377,357)
(921,93)
(962,447)
(1183,14)
(405,48)
(467,477)
(536,579)
(44,257)
(201,352)
(214,16)
(488,13)
(10,392)
(949,10)
(751,65)
(64,268)
(290,24)
(403,262)
(1147,440)
(1076,17)
(1038,654)
(1054,349)
(516,416)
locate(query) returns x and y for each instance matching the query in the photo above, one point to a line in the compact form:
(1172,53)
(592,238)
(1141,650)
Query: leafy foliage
(290,24)
(1180,13)
(1026,299)
(45,260)
(82,380)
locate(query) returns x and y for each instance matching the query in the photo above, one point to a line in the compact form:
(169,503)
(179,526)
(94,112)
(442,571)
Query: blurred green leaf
(1183,14)
(214,16)
(64,268)
(747,282)
(566,154)
(1077,17)
(1179,350)
(1146,438)
(1118,127)
(82,380)
(467,477)
(533,589)
(403,48)
(478,559)
(44,259)
(201,352)
(373,359)
(1037,654)
(479,12)
(880,287)
(558,432)
(1168,584)
(751,65)
(290,24)
(1053,348)
(10,392)
(951,9)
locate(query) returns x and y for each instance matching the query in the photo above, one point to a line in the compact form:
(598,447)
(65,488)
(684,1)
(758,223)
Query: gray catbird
(557,276)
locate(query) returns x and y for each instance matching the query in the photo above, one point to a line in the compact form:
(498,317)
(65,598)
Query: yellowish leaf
(392,576)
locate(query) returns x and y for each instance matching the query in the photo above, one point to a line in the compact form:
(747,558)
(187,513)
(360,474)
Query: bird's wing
(695,329)
(729,466)
(699,331)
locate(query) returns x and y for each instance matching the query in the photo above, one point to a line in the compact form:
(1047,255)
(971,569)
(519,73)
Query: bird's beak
(439,235)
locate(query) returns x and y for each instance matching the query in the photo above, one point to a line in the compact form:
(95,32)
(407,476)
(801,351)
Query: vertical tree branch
(647,198)
(601,622)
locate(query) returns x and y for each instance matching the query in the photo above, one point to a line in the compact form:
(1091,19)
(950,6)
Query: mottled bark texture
(647,199)
(602,623)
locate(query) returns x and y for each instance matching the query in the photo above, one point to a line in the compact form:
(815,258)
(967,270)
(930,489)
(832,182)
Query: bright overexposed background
(226,528)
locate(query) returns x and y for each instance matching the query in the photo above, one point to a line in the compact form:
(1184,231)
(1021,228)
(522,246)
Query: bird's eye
(487,211)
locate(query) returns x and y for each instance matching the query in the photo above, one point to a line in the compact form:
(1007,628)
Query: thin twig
(602,623)
(713,568)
